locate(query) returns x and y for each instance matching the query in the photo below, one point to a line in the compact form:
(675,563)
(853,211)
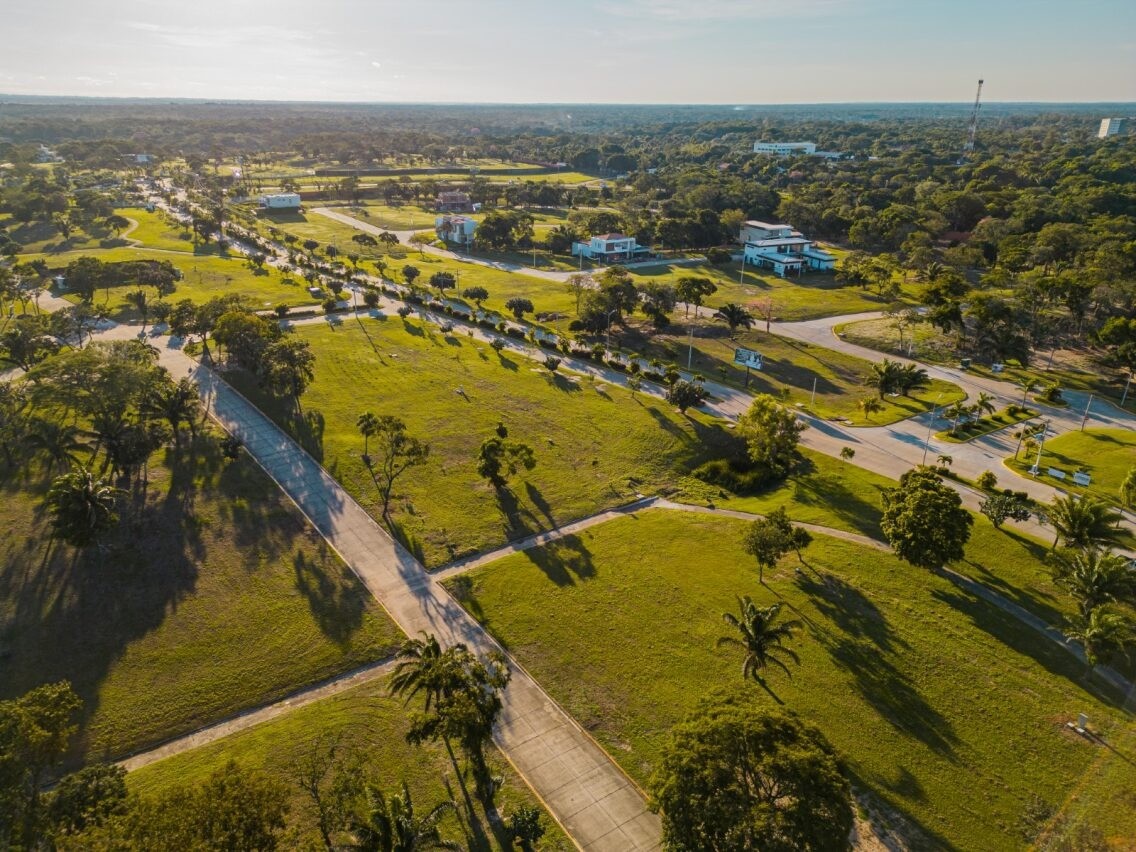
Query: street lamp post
(690,348)
(930,423)
(1036,469)
(742,271)
(1124,396)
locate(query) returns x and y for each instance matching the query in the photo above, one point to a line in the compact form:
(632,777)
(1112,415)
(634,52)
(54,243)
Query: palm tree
(424,667)
(82,507)
(1028,386)
(911,377)
(955,413)
(368,423)
(885,376)
(57,442)
(870,405)
(761,638)
(390,825)
(177,402)
(1128,489)
(141,302)
(734,315)
(944,460)
(1095,577)
(1103,633)
(1082,522)
(985,403)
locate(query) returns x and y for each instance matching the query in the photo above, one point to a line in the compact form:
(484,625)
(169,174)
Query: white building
(455,229)
(281,201)
(782,149)
(781,248)
(611,248)
(1111,127)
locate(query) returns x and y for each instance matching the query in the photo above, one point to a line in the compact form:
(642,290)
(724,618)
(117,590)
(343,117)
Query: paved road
(585,791)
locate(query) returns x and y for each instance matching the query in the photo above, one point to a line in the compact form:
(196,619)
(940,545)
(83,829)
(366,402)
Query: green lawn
(214,598)
(595,446)
(790,368)
(809,297)
(947,710)
(203,277)
(156,231)
(1105,454)
(367,721)
(985,425)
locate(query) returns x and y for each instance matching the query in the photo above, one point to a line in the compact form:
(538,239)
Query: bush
(987,480)
(518,333)
(549,343)
(575,325)
(719,256)
(738,475)
(330,306)
(497,344)
(404,311)
(617,364)
(501,327)
(634,367)
(598,352)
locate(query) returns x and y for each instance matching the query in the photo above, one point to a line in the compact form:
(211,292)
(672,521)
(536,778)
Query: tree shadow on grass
(1040,604)
(833,495)
(507,363)
(669,426)
(336,603)
(564,561)
(307,429)
(519,520)
(541,504)
(564,383)
(1026,641)
(864,646)
(407,539)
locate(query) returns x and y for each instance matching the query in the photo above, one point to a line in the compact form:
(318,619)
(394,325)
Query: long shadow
(308,430)
(519,521)
(832,494)
(564,561)
(863,645)
(563,383)
(668,425)
(336,603)
(507,363)
(541,504)
(1025,640)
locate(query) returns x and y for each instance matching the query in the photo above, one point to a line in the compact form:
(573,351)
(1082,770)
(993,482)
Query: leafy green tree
(477,295)
(1082,521)
(1104,633)
(389,823)
(771,433)
(398,451)
(287,368)
(734,316)
(59,443)
(692,290)
(498,459)
(761,638)
(82,507)
(1002,507)
(766,541)
(526,827)
(176,403)
(578,284)
(924,521)
(86,798)
(27,342)
(736,775)
(410,274)
(245,337)
(442,281)
(519,307)
(683,394)
(1094,577)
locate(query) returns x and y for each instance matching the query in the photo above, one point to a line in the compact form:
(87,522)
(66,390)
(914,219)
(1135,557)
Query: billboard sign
(747,358)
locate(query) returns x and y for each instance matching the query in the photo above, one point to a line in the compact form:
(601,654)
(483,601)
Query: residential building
(455,229)
(453,201)
(611,248)
(280,201)
(782,149)
(1112,127)
(783,249)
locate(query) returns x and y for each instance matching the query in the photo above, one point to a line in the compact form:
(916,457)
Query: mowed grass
(155,230)
(790,368)
(595,445)
(216,597)
(368,722)
(204,276)
(946,709)
(817,294)
(1107,455)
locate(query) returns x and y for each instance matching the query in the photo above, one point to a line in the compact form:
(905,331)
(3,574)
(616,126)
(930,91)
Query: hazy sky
(622,51)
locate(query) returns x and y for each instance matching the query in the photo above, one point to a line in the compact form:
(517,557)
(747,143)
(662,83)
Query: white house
(611,248)
(782,149)
(280,201)
(455,229)
(1111,127)
(779,247)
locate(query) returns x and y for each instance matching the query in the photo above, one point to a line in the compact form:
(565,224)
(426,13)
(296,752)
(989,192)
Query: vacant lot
(1105,454)
(948,711)
(213,597)
(595,445)
(367,722)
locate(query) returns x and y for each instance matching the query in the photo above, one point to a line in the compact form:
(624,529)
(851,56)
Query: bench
(1082,479)
(1055,473)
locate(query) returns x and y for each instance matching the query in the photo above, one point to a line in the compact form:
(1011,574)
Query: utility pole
(1124,396)
(690,348)
(972,129)
(1085,418)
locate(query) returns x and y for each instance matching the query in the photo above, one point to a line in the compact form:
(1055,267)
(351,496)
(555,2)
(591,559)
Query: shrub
(330,306)
(518,333)
(634,367)
(497,344)
(672,375)
(501,327)
(737,475)
(617,364)
(718,256)
(575,325)
(598,352)
(404,311)
(987,480)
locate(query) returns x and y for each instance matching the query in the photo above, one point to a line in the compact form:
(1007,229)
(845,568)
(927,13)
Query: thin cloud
(721,10)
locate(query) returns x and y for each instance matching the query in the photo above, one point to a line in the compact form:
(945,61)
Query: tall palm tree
(1028,385)
(911,377)
(884,376)
(390,824)
(1082,522)
(870,405)
(761,637)
(82,507)
(176,402)
(1103,633)
(1095,577)
(985,403)
(140,301)
(424,667)
(57,442)
(955,413)
(734,315)
(368,423)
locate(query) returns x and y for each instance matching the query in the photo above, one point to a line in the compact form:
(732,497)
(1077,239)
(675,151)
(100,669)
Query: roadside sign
(748,358)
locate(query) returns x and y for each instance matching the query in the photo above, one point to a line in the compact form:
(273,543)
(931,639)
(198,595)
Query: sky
(574,51)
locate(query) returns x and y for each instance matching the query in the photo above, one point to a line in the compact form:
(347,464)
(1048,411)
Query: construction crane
(973,129)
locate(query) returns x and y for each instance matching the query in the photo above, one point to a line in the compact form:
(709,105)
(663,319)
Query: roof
(780,241)
(611,236)
(765,226)
(783,258)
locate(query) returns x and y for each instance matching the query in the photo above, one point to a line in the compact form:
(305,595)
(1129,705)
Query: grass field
(947,710)
(203,277)
(365,720)
(155,231)
(986,424)
(809,297)
(214,598)
(595,445)
(1105,454)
